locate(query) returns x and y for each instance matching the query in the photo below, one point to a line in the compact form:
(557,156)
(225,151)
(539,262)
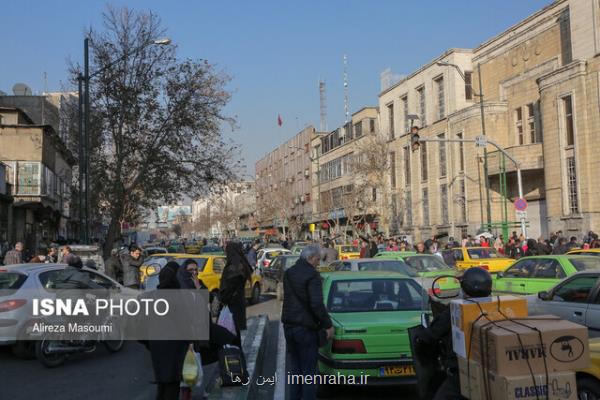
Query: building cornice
(572,70)
(474,111)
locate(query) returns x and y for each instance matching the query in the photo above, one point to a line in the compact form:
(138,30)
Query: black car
(272,276)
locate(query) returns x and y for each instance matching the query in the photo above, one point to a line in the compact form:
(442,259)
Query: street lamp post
(84,137)
(483,132)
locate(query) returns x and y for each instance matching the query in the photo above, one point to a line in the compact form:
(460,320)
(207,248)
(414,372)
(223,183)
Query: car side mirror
(544,295)
(500,275)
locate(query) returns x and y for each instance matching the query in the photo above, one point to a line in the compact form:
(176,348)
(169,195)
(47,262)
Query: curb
(253,346)
(280,368)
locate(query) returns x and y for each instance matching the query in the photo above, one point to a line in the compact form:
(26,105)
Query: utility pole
(485,155)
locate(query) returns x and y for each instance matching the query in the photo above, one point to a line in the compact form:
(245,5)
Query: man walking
(131,263)
(14,256)
(252,256)
(303,315)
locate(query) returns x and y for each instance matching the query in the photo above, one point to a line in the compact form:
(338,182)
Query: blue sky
(275,51)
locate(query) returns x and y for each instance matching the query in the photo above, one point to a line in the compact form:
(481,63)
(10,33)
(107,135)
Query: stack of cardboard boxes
(504,354)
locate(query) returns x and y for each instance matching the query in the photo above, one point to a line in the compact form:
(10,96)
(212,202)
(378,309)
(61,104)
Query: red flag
(279,120)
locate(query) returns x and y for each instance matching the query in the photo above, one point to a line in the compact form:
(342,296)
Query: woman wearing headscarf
(168,355)
(187,275)
(233,281)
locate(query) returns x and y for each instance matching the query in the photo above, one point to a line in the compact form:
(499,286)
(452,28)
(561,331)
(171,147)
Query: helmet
(476,282)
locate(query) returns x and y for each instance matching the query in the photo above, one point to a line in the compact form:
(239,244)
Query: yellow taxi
(210,268)
(347,251)
(193,247)
(588,380)
(484,257)
(585,252)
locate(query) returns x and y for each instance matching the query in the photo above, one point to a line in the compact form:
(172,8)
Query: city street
(128,374)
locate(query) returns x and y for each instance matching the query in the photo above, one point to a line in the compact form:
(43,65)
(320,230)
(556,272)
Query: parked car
(585,252)
(371,312)
(298,246)
(484,257)
(272,276)
(347,251)
(20,284)
(370,264)
(530,275)
(90,255)
(266,256)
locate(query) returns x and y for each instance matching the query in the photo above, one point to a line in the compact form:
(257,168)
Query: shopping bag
(232,365)
(226,320)
(191,370)
(198,358)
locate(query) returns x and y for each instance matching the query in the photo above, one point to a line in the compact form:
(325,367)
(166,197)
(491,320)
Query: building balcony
(530,156)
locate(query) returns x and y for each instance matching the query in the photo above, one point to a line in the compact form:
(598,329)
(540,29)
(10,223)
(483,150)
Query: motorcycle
(53,353)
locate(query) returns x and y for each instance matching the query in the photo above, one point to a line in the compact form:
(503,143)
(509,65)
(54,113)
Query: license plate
(397,370)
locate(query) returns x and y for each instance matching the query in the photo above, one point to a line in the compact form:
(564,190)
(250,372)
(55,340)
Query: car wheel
(279,291)
(588,388)
(24,349)
(255,297)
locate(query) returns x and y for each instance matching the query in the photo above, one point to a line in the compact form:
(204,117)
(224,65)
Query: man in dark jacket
(303,315)
(252,256)
(131,264)
(14,256)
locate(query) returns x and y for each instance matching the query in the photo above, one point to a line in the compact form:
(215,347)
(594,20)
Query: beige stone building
(283,186)
(540,86)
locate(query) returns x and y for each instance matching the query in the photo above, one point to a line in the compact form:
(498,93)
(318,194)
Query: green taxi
(428,267)
(535,274)
(371,313)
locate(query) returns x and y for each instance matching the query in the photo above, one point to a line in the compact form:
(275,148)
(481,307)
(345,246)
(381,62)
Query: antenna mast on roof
(346,116)
(323,105)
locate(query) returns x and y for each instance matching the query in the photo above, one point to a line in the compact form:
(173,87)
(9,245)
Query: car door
(459,258)
(514,279)
(570,300)
(592,316)
(547,272)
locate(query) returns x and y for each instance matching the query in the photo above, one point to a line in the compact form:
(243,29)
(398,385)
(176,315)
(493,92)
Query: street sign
(522,214)
(520,204)
(480,141)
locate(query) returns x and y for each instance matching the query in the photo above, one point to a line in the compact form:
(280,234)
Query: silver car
(18,286)
(575,298)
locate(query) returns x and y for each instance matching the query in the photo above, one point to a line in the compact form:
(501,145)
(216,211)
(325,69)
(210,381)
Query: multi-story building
(336,209)
(40,173)
(540,103)
(6,200)
(283,186)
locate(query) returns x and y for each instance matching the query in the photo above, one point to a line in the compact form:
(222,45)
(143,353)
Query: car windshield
(482,253)
(387,265)
(349,249)
(586,263)
(366,295)
(426,263)
(11,280)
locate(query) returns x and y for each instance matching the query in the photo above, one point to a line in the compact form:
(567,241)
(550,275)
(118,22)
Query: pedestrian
(303,316)
(572,244)
(373,248)
(14,256)
(252,255)
(392,246)
(64,252)
(420,248)
(499,244)
(43,257)
(532,248)
(236,272)
(329,253)
(364,249)
(187,275)
(560,247)
(513,250)
(168,356)
(543,246)
(113,267)
(131,263)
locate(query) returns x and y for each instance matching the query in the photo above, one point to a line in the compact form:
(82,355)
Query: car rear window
(426,263)
(387,265)
(585,264)
(11,280)
(367,295)
(482,253)
(349,249)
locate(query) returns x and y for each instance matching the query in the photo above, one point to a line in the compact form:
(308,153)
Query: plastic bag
(226,320)
(200,378)
(191,370)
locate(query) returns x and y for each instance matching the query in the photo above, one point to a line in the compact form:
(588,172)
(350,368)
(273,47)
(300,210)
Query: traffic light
(414,141)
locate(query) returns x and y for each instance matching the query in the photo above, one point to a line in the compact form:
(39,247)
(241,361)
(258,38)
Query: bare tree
(157,120)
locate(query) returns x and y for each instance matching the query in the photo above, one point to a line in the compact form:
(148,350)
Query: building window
(422,110)
(572,183)
(568,112)
(374,194)
(463,201)
(424,161)
(393,169)
(408,207)
(519,125)
(404,100)
(441,100)
(444,204)
(390,109)
(358,129)
(468,85)
(371,125)
(425,201)
(461,153)
(406,166)
(531,122)
(442,155)
(565,37)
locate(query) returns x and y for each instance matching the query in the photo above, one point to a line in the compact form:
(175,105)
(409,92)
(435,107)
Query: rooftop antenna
(346,89)
(323,105)
(45,75)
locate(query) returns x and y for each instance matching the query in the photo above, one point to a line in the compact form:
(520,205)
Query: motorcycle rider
(475,282)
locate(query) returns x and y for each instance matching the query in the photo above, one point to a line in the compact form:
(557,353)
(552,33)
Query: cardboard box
(474,387)
(563,346)
(466,311)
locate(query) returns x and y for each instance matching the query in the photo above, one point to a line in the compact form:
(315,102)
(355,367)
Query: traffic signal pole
(481,141)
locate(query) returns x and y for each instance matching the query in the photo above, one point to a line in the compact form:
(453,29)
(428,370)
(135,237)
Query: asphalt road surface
(128,374)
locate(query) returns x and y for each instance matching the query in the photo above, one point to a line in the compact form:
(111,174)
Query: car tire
(588,388)
(255,296)
(24,349)
(279,291)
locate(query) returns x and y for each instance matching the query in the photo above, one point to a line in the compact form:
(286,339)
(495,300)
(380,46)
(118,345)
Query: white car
(265,256)
(19,285)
